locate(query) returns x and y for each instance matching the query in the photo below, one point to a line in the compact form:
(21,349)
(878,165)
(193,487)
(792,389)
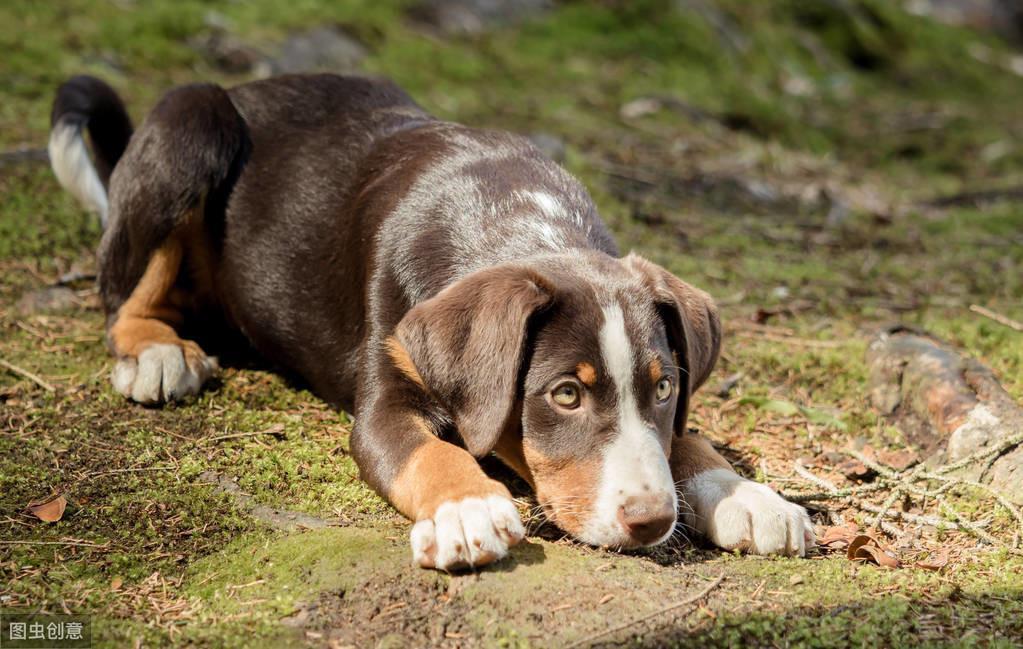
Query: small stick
(997,317)
(273,430)
(22,372)
(667,609)
(77,543)
(133,470)
(888,502)
(827,485)
(1006,445)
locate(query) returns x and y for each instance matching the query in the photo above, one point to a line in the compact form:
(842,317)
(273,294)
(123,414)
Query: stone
(321,49)
(471,17)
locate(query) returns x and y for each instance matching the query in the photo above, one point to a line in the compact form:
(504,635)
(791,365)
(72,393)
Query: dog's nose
(647,518)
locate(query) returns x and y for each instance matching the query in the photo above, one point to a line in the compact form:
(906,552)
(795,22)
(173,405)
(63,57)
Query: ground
(794,159)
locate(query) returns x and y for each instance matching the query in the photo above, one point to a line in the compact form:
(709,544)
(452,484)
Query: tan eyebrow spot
(586,373)
(656,370)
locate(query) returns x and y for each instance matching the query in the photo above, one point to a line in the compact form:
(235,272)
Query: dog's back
(380,206)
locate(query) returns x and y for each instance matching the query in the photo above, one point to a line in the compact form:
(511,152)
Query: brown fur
(566,488)
(437,472)
(403,362)
(692,454)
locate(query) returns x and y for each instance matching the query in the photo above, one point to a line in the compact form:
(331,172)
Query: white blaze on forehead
(634,463)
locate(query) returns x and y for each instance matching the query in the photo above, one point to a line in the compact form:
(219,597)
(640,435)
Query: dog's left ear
(693,326)
(468,345)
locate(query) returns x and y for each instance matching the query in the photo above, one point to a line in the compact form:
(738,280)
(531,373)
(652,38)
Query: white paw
(161,374)
(467,533)
(737,513)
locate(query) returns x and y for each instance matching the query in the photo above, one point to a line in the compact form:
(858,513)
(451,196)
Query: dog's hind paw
(162,373)
(467,533)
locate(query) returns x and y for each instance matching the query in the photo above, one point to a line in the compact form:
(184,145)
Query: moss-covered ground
(783,155)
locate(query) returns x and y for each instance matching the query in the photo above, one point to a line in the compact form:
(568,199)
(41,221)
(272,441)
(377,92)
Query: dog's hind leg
(154,364)
(158,257)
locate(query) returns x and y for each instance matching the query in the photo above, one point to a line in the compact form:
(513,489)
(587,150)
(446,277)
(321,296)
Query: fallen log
(951,407)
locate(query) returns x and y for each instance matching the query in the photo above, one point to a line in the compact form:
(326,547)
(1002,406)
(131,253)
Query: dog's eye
(566,395)
(664,389)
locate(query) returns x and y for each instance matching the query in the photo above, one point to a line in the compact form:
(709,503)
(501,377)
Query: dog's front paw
(736,513)
(163,373)
(467,533)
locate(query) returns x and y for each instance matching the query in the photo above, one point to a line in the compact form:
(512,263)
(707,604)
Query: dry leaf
(796,580)
(49,510)
(838,537)
(115,584)
(868,548)
(936,561)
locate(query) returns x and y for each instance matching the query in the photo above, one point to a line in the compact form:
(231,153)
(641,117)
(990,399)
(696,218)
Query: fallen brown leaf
(49,510)
(115,583)
(868,548)
(838,537)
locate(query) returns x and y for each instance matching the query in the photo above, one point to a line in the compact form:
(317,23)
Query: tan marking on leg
(437,472)
(401,359)
(567,489)
(656,370)
(146,317)
(154,308)
(586,373)
(692,454)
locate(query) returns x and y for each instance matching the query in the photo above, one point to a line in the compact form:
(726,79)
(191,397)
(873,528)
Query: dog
(451,287)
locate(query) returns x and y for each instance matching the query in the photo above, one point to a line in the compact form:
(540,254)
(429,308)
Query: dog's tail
(86,102)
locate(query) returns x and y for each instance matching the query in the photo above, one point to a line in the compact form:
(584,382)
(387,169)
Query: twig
(894,514)
(888,502)
(997,495)
(22,372)
(997,317)
(86,544)
(667,609)
(133,470)
(827,485)
(273,430)
(984,454)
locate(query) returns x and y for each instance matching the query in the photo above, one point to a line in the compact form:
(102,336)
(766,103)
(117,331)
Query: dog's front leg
(731,511)
(462,518)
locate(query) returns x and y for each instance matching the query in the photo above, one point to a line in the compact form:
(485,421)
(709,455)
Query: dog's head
(577,372)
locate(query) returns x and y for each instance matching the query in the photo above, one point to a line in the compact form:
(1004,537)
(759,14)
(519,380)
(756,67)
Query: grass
(851,120)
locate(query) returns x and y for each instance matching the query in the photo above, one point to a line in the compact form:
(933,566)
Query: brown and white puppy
(452,287)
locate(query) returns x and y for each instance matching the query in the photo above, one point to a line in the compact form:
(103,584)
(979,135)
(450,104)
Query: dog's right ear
(467,345)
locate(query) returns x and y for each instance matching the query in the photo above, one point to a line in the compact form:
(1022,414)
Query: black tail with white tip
(85,102)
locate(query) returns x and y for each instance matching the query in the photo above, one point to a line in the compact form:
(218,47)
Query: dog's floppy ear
(693,326)
(468,343)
